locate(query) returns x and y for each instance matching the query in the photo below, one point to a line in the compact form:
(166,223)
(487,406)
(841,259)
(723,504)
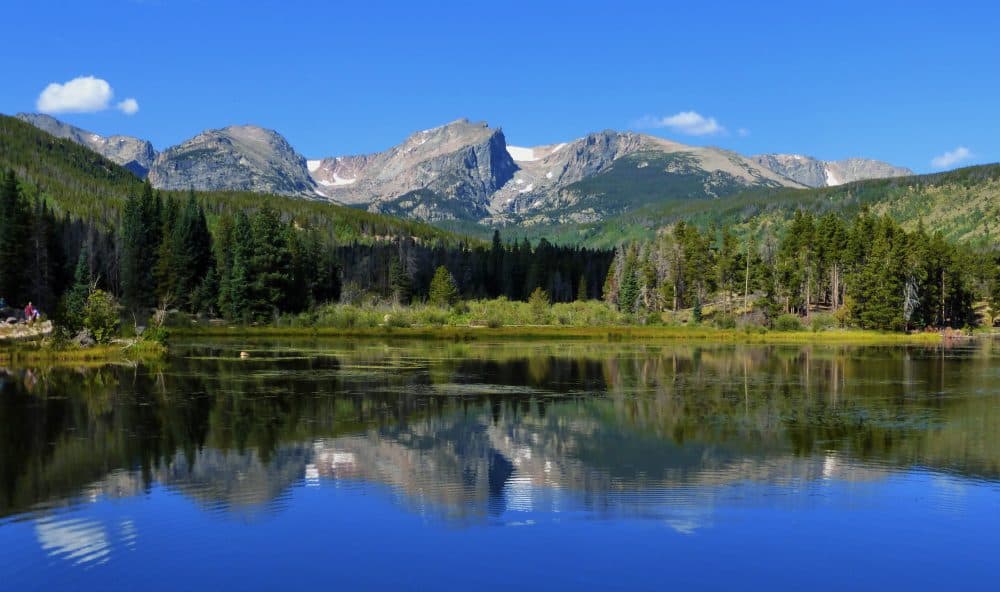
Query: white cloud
(951,158)
(743,132)
(129,106)
(691,123)
(84,94)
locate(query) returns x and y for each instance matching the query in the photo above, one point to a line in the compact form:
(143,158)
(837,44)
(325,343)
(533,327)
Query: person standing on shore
(30,313)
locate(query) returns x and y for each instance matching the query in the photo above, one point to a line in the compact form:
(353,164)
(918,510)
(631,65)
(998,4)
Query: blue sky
(905,82)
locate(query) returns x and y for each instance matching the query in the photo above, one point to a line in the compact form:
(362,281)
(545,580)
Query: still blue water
(506,466)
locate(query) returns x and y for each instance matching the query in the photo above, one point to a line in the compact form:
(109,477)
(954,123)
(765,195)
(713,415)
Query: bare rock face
(813,172)
(466,171)
(237,158)
(552,183)
(859,169)
(437,174)
(135,154)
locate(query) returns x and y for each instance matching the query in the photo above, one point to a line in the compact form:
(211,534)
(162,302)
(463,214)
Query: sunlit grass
(550,332)
(55,353)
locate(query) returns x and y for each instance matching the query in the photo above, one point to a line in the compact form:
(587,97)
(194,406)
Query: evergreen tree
(15,260)
(628,293)
(224,253)
(268,265)
(995,291)
(581,289)
(240,289)
(538,302)
(71,307)
(190,252)
(140,233)
(399,282)
(878,289)
(165,273)
(443,291)
(494,267)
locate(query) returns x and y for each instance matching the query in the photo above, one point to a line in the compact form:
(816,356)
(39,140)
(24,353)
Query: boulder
(84,339)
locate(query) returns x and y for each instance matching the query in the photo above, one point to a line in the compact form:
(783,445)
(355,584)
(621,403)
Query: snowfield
(831,179)
(520,154)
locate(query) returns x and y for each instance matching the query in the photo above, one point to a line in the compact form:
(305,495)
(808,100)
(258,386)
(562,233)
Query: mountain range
(633,175)
(813,172)
(467,172)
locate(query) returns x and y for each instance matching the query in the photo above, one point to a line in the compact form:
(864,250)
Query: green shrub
(429,316)
(822,322)
(539,303)
(397,320)
(100,316)
(725,321)
(696,312)
(788,322)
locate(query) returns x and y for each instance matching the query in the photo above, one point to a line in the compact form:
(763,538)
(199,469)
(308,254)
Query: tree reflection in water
(465,432)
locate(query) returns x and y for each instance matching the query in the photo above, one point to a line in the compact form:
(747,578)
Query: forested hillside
(71,221)
(866,272)
(254,264)
(964,205)
(76,181)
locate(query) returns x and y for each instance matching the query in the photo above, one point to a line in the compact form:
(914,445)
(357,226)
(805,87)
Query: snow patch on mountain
(831,178)
(338,181)
(521,154)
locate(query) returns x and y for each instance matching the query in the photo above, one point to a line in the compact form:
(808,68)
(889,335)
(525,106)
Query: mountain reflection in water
(467,433)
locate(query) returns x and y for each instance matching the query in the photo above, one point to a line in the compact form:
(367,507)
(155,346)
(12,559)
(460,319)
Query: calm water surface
(511,466)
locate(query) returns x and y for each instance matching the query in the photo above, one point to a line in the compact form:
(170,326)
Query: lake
(375,464)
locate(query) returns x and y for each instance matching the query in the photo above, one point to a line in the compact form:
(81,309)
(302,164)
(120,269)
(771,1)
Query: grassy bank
(504,319)
(550,332)
(51,352)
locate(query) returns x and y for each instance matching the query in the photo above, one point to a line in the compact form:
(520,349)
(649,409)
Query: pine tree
(581,289)
(165,273)
(268,265)
(628,293)
(399,282)
(140,240)
(879,287)
(494,267)
(995,292)
(188,252)
(224,265)
(728,266)
(443,291)
(15,226)
(71,307)
(538,302)
(239,289)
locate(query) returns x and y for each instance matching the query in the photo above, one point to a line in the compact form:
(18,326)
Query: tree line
(868,270)
(252,264)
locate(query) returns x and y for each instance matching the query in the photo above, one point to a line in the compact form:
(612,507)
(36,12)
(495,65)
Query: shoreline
(554,332)
(50,354)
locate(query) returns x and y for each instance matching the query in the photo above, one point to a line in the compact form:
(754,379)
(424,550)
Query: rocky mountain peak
(813,172)
(461,163)
(135,154)
(239,157)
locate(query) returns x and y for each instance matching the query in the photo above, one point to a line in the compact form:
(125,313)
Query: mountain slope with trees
(867,271)
(963,204)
